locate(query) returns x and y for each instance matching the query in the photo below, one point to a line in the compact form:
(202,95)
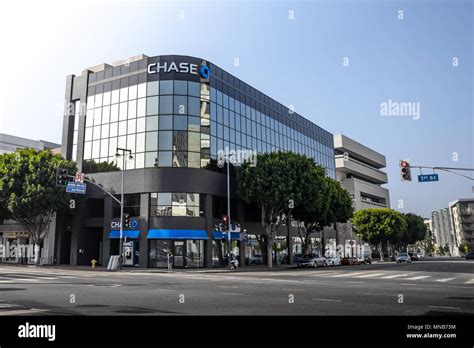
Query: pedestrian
(170,262)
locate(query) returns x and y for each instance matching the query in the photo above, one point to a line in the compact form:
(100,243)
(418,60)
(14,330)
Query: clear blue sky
(297,62)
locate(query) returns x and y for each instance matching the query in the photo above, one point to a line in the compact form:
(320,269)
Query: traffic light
(405,171)
(126,220)
(225,219)
(61,176)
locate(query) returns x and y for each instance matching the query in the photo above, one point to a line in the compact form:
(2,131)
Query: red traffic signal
(405,172)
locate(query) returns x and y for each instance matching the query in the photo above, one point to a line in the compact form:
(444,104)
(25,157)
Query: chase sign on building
(178,67)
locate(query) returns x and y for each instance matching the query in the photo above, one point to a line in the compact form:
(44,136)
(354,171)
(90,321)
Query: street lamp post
(122,201)
(229,240)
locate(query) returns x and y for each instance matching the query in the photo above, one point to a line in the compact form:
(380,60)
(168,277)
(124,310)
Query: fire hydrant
(93,262)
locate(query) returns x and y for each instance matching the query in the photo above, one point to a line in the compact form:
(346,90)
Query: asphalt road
(423,287)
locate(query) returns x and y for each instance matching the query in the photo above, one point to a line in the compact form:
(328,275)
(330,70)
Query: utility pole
(122,199)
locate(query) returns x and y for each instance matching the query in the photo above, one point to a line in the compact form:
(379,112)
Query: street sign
(79,177)
(76,187)
(428,177)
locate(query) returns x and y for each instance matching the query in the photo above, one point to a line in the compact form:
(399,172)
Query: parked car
(414,256)
(296,258)
(350,261)
(364,260)
(333,260)
(470,256)
(312,260)
(403,257)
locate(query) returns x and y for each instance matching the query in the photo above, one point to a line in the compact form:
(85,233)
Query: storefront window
(255,250)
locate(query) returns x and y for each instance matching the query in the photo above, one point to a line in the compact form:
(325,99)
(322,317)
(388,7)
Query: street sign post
(76,187)
(428,177)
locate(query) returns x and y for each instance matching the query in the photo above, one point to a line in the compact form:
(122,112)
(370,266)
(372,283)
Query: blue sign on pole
(76,187)
(428,177)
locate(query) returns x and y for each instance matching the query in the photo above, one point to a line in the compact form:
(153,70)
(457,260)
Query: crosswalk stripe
(347,274)
(417,278)
(370,275)
(396,276)
(469,281)
(444,280)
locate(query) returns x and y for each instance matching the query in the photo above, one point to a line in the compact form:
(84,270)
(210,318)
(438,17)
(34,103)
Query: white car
(311,260)
(403,257)
(333,261)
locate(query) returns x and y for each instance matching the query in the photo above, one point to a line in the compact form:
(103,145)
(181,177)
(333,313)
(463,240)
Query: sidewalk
(150,270)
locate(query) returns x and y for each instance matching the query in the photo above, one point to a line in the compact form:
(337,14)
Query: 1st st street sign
(428,177)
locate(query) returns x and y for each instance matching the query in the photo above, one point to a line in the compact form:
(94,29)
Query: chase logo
(205,72)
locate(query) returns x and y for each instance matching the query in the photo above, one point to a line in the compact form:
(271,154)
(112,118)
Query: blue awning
(177,234)
(125,233)
(221,235)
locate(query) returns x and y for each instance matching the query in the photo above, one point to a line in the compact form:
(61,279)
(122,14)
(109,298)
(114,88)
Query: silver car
(333,261)
(403,257)
(312,260)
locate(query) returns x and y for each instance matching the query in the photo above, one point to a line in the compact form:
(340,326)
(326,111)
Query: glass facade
(175,123)
(176,204)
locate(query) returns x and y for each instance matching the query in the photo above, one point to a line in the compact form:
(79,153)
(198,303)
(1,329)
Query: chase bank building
(174,113)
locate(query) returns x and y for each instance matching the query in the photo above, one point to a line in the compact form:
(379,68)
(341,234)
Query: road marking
(14,280)
(22,311)
(325,299)
(322,274)
(232,294)
(469,281)
(345,274)
(444,280)
(417,278)
(166,289)
(370,275)
(396,276)
(444,307)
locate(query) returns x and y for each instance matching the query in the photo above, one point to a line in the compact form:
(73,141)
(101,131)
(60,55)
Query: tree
(311,216)
(379,226)
(278,184)
(340,205)
(415,231)
(90,166)
(447,250)
(463,248)
(29,192)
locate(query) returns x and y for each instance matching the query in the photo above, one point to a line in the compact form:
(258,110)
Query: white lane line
(347,274)
(325,299)
(370,275)
(469,281)
(22,311)
(444,307)
(396,276)
(14,280)
(444,280)
(166,290)
(231,293)
(321,274)
(417,278)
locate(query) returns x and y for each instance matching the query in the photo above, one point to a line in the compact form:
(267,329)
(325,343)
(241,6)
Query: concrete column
(209,228)
(108,209)
(241,218)
(144,217)
(77,227)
